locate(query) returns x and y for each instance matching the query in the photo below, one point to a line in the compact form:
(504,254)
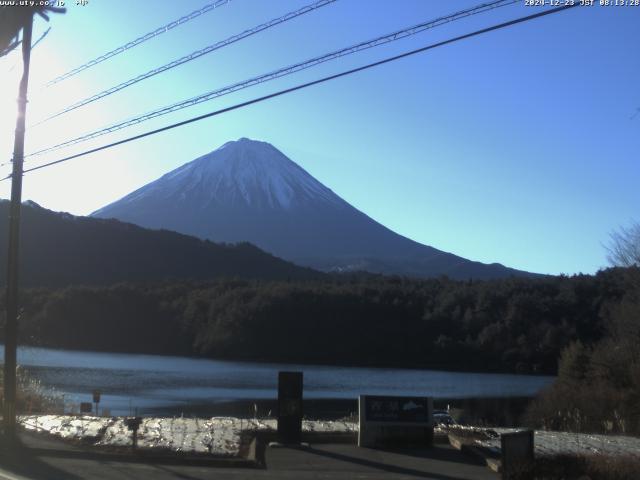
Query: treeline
(516,324)
(598,384)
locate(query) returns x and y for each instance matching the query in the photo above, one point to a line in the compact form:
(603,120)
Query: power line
(280,73)
(302,86)
(192,56)
(42,37)
(10,48)
(133,43)
(14,45)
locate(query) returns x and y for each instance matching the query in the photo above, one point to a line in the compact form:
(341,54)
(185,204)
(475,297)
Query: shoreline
(448,368)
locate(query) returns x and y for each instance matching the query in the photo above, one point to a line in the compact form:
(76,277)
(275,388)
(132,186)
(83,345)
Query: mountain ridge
(60,249)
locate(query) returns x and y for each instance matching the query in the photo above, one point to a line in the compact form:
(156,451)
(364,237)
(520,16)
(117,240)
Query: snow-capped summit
(243,173)
(248,190)
(247,173)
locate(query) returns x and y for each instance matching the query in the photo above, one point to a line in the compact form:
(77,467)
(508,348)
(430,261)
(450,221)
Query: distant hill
(250,191)
(59,249)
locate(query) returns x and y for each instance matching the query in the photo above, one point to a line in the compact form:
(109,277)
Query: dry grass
(31,396)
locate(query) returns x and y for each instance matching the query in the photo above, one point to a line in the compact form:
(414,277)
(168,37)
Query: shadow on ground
(433,454)
(17,458)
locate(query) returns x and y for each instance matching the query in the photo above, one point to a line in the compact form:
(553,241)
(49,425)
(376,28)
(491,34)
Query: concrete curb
(251,452)
(484,455)
(261,440)
(61,447)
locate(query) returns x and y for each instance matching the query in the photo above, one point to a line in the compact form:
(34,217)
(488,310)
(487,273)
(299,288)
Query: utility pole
(11,324)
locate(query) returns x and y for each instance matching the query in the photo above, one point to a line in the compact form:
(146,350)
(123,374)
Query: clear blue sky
(514,147)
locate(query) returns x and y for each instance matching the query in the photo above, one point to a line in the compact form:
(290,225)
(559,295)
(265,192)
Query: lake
(149,383)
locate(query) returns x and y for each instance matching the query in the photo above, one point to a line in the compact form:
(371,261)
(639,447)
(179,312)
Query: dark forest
(511,325)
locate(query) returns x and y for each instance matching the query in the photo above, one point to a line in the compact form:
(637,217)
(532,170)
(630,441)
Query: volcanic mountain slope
(59,249)
(249,191)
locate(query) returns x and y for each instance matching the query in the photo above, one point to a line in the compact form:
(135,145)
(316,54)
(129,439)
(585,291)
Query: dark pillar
(290,407)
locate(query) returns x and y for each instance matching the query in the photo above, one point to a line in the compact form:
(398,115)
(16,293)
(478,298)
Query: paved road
(52,460)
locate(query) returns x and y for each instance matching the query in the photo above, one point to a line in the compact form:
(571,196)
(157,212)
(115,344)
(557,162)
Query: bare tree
(624,246)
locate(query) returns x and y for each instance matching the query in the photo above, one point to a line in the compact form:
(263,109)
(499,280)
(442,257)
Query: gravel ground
(555,443)
(217,435)
(221,435)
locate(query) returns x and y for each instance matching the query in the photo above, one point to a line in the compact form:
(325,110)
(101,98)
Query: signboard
(398,409)
(133,424)
(289,407)
(395,420)
(517,455)
(86,407)
(96,396)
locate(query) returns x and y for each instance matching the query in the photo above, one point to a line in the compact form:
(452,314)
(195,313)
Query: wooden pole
(11,325)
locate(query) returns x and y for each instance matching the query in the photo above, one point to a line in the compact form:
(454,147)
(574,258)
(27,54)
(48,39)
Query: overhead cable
(302,86)
(278,73)
(192,56)
(133,43)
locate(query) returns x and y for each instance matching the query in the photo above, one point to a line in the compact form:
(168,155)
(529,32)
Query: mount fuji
(249,191)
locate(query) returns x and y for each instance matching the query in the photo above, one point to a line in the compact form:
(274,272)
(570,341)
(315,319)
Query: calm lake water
(149,382)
